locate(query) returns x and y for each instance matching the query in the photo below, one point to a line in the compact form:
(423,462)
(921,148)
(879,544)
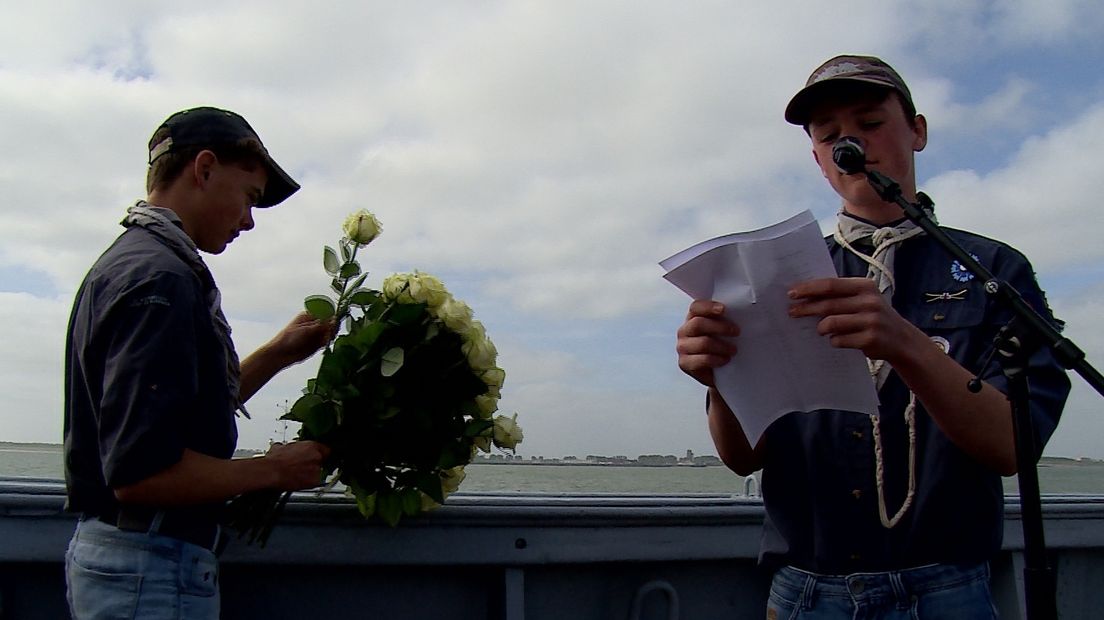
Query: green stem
(342,307)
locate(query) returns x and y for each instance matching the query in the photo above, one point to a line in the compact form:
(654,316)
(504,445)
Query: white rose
(455,314)
(428,289)
(451,479)
(487,404)
(481,354)
(396,287)
(482,443)
(494,377)
(361,227)
(427,503)
(507,433)
(474,330)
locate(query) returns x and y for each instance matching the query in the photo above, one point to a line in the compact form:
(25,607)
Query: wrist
(916,350)
(276,354)
(269,472)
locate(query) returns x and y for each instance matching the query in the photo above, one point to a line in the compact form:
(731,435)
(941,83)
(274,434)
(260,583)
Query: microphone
(849,155)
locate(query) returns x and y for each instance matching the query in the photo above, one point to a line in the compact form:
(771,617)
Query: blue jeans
(111,573)
(926,593)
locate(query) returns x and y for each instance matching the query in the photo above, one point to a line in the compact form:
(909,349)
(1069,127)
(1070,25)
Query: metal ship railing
(516,556)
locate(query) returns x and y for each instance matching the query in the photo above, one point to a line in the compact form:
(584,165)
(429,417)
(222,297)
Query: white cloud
(1082,423)
(956,30)
(542,157)
(32,330)
(1001,111)
(1029,22)
(1041,201)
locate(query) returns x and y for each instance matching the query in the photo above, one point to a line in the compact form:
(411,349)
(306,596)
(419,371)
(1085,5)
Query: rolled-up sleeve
(1048,382)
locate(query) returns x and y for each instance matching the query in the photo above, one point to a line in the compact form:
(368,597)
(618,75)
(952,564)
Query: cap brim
(279,187)
(799,110)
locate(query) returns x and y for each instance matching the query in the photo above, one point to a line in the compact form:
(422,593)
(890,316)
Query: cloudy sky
(541,158)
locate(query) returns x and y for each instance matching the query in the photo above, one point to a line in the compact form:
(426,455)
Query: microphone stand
(1015,342)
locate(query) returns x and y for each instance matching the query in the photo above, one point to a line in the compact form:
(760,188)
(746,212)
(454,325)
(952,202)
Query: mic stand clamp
(1015,342)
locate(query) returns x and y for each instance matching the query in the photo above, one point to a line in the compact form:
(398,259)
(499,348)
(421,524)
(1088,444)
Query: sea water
(1055,475)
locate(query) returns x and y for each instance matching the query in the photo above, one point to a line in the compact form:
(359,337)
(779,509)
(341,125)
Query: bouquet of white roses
(404,397)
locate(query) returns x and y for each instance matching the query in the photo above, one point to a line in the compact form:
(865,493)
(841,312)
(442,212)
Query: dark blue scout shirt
(818,479)
(145,373)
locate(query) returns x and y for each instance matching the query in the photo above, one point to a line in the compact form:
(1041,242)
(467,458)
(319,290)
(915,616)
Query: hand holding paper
(783,364)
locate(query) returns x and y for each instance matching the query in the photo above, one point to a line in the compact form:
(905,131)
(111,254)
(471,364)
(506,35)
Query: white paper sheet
(783,364)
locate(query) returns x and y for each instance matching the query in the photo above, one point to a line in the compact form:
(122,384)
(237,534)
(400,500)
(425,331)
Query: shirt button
(857,434)
(856,493)
(938,316)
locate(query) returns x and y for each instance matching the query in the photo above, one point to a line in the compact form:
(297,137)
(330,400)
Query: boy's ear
(201,166)
(921,130)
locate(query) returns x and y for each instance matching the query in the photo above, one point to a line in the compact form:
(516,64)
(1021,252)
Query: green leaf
(390,412)
(454,453)
(389,507)
(299,410)
(366,336)
(349,270)
(346,253)
(356,283)
(317,415)
(364,297)
(411,502)
(337,287)
(430,484)
(366,504)
(448,459)
(329,260)
(391,361)
(478,428)
(336,365)
(320,307)
(404,314)
(345,392)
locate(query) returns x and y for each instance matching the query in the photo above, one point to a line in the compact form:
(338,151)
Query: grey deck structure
(513,557)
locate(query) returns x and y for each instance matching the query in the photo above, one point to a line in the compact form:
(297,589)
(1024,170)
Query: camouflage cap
(864,69)
(212,127)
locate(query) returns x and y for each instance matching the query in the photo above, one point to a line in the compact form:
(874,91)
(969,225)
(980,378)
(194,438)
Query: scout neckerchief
(884,240)
(165,225)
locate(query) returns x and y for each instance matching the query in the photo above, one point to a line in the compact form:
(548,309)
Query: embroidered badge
(959,271)
(945,296)
(943,344)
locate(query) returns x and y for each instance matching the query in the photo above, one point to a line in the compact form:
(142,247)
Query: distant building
(599,459)
(657,460)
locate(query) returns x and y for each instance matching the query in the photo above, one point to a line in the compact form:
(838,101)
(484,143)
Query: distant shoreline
(561,463)
(1046,461)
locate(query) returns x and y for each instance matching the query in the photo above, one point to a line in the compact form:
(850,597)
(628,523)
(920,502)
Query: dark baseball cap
(839,70)
(208,127)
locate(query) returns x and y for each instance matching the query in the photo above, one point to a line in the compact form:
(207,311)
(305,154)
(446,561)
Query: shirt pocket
(955,326)
(945,315)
